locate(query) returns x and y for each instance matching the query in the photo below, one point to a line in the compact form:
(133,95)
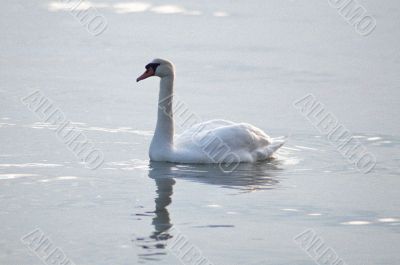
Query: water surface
(239,61)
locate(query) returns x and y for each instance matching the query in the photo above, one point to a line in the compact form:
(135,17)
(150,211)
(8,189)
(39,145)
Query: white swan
(215,141)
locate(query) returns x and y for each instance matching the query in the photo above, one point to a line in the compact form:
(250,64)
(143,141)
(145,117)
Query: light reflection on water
(130,7)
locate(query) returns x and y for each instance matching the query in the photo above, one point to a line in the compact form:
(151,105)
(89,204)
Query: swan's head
(157,67)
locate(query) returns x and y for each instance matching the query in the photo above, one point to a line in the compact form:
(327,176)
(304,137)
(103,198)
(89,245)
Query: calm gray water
(245,61)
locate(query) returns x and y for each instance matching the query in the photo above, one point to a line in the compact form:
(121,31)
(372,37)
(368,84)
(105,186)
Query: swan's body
(215,141)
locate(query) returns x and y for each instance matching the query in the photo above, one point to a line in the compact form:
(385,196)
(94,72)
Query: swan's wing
(247,142)
(199,129)
(206,126)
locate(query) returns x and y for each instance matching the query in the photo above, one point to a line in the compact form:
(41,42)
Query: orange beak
(149,72)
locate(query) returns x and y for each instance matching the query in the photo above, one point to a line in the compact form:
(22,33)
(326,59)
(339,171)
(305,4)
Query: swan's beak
(149,72)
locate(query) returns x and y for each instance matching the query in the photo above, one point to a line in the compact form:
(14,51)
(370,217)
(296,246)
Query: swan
(215,141)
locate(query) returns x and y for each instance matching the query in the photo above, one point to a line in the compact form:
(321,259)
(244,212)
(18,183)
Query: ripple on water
(314,214)
(220,14)
(15,176)
(168,9)
(30,165)
(290,210)
(134,7)
(129,7)
(388,220)
(356,222)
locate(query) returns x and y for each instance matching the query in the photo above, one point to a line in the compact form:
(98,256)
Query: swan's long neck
(164,132)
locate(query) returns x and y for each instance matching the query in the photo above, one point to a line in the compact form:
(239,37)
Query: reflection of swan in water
(247,177)
(161,221)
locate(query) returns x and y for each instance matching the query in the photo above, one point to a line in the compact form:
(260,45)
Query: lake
(261,62)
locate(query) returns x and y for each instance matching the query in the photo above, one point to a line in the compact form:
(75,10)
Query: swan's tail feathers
(274,146)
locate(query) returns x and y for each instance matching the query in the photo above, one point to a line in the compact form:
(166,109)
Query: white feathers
(215,141)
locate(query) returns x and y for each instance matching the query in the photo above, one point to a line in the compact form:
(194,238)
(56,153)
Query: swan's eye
(152,66)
